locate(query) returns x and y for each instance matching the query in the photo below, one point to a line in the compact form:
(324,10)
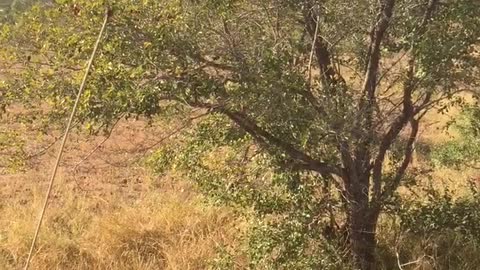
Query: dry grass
(440,251)
(108,212)
(160,231)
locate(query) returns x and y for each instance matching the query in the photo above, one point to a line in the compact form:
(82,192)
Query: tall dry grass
(159,231)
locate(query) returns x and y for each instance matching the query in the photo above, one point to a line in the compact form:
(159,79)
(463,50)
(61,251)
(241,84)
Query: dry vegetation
(109,212)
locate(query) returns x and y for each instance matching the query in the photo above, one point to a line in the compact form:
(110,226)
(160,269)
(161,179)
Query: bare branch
(173,132)
(376,37)
(368,102)
(329,76)
(407,115)
(50,145)
(392,66)
(109,133)
(311,53)
(394,131)
(409,148)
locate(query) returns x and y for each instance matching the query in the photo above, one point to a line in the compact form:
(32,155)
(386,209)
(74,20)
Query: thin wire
(311,53)
(62,146)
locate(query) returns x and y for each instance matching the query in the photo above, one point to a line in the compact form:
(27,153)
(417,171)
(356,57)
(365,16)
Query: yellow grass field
(107,212)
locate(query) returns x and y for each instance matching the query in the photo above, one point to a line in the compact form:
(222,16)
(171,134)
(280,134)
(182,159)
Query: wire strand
(64,140)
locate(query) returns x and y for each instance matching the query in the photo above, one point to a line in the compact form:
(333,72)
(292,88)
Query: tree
(327,92)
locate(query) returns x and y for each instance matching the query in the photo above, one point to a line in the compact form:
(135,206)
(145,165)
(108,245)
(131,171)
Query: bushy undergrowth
(297,224)
(442,232)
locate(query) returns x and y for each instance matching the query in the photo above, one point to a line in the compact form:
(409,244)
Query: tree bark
(362,221)
(363,249)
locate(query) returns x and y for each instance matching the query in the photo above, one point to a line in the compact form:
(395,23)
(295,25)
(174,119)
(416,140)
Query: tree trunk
(363,242)
(362,231)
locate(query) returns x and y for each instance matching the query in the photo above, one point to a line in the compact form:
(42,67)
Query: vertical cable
(64,140)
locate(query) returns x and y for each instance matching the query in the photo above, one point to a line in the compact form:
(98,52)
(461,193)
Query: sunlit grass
(160,231)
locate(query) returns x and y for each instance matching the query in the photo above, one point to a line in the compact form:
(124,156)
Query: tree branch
(394,130)
(329,76)
(409,148)
(368,103)
(376,37)
(264,137)
(407,115)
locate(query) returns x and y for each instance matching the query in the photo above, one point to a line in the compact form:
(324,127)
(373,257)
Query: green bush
(464,150)
(442,232)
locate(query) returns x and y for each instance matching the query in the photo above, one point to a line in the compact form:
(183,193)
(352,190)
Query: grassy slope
(435,133)
(108,213)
